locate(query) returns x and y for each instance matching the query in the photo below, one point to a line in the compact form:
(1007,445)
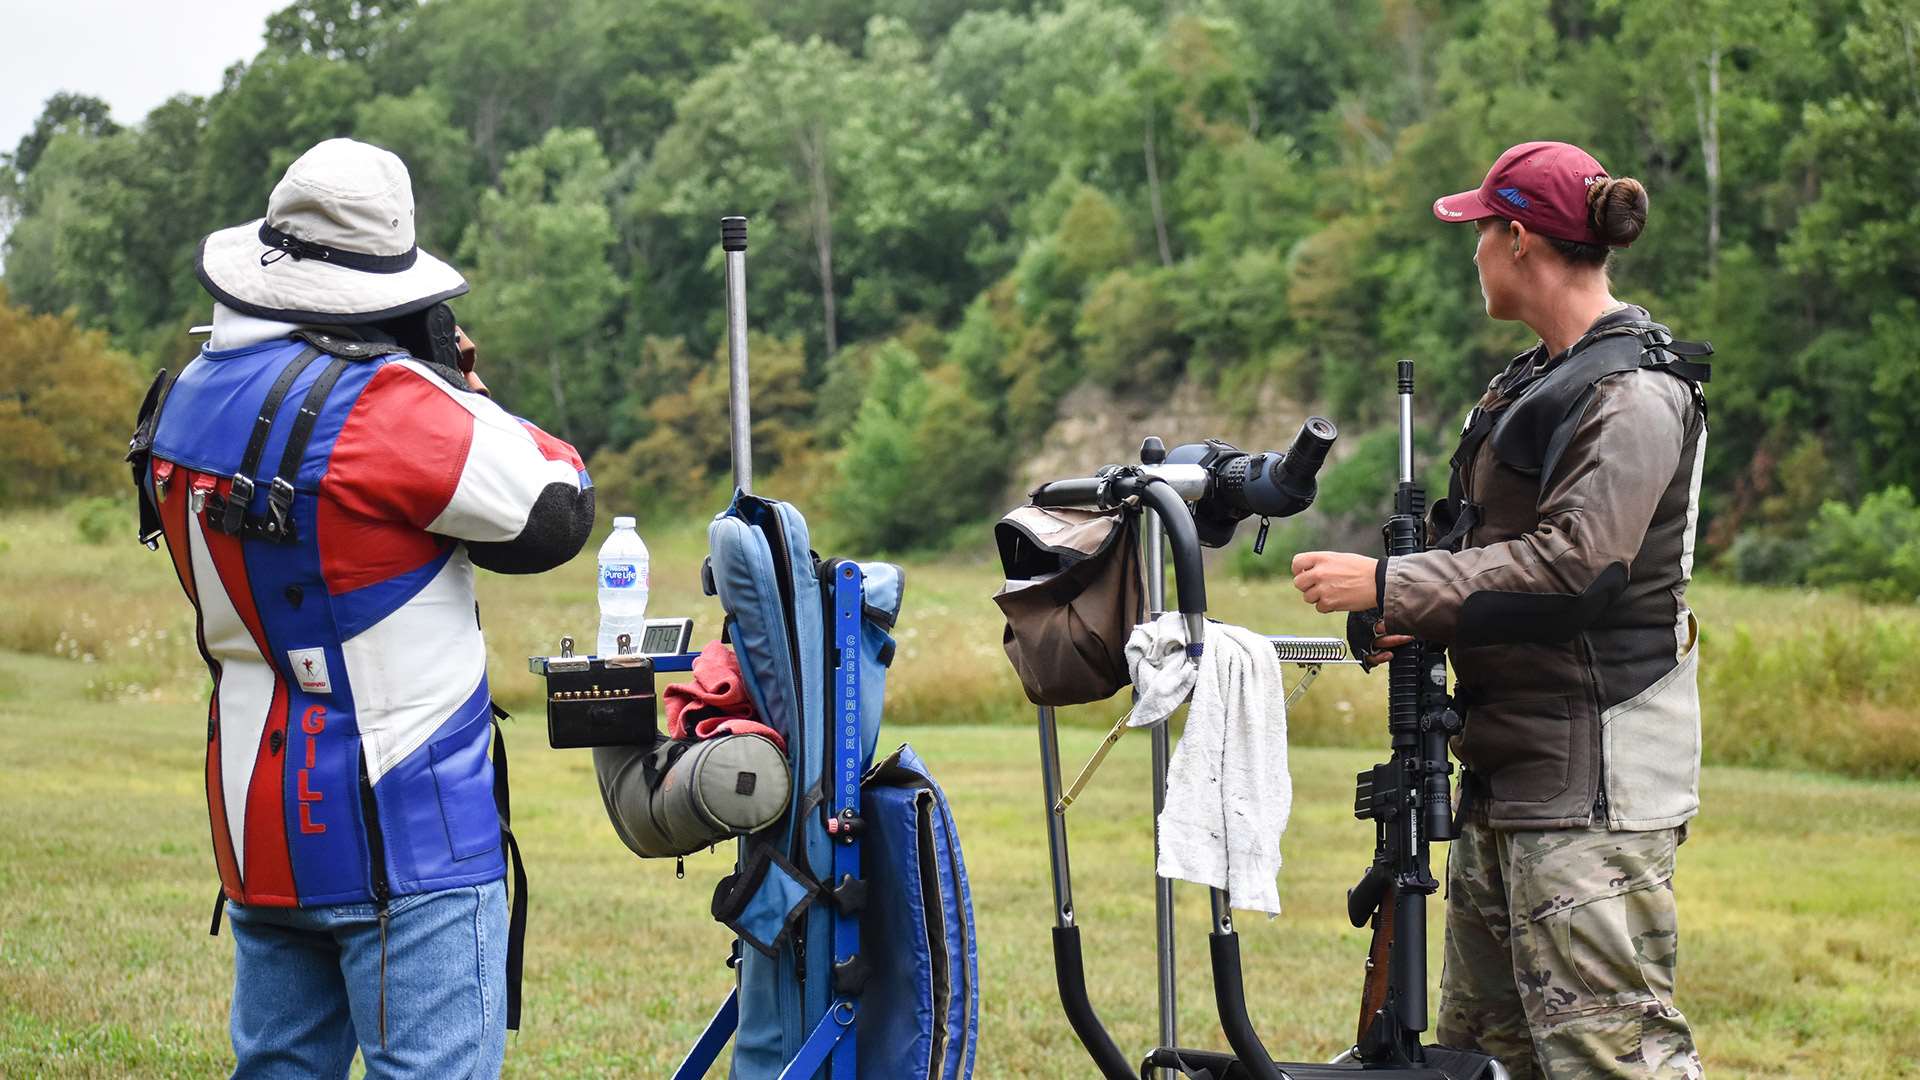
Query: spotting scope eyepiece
(1295,483)
(1268,484)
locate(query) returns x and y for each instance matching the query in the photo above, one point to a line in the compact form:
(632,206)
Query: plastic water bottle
(623,587)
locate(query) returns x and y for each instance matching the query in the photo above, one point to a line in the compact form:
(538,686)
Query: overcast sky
(132,54)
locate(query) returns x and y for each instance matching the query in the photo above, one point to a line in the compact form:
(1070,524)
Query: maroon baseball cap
(1542,185)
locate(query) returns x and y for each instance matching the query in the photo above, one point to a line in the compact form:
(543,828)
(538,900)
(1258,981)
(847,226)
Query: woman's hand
(1340,581)
(1336,580)
(1384,644)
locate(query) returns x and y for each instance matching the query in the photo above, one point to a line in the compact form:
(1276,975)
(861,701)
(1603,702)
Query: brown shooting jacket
(1564,609)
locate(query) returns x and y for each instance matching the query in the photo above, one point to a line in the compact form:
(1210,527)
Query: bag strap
(826,1035)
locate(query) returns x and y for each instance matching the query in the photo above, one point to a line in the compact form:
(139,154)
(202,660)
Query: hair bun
(1617,209)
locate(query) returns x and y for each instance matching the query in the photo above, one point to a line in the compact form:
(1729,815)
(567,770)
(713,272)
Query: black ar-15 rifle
(1408,800)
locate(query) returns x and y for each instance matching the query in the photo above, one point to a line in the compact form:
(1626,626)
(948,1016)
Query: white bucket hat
(336,245)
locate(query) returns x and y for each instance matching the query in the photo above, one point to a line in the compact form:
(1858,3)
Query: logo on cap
(1513,196)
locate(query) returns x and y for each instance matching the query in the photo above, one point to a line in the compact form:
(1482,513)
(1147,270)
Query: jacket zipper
(376,844)
(377,867)
(1588,676)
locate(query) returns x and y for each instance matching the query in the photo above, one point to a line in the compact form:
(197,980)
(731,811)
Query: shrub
(1874,549)
(1759,557)
(921,459)
(69,405)
(103,518)
(1127,333)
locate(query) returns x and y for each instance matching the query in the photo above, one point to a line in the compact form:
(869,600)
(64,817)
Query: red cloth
(716,701)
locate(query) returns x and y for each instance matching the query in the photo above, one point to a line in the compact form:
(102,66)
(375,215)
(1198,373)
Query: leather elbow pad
(557,528)
(1505,618)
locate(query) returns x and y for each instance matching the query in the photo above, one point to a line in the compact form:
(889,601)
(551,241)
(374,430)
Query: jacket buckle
(279,509)
(233,508)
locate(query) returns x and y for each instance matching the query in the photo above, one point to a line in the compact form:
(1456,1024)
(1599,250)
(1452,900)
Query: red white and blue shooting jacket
(349,725)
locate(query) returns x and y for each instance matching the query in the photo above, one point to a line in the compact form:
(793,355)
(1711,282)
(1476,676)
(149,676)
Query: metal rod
(1056,823)
(1099,755)
(1406,421)
(1164,939)
(733,242)
(1306,680)
(1222,911)
(1068,964)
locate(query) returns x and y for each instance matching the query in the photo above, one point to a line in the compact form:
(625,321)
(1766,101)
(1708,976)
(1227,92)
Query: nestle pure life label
(621,576)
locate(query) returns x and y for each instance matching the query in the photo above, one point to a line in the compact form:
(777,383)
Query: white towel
(1162,677)
(1228,790)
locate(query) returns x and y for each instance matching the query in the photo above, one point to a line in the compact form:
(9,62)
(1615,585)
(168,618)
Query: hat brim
(1465,206)
(229,265)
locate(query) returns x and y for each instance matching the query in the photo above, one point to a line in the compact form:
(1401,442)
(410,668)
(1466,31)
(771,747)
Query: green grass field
(1800,923)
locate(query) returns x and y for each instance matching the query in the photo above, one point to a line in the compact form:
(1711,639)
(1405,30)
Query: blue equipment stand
(674,661)
(849,588)
(834,1041)
(713,1040)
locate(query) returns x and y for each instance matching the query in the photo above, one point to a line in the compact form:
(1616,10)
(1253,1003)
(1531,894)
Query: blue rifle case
(855,924)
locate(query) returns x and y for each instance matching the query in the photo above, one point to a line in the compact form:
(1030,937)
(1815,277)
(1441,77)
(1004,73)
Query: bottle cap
(623,522)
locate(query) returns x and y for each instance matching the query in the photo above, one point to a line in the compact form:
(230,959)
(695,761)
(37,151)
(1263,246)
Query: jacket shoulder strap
(1659,351)
(279,522)
(228,513)
(1533,433)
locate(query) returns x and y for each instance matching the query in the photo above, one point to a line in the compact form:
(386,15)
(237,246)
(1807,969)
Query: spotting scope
(1268,484)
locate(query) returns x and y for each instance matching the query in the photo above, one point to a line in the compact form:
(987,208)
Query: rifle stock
(1373,993)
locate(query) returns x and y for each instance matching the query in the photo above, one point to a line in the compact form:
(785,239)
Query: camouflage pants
(1560,953)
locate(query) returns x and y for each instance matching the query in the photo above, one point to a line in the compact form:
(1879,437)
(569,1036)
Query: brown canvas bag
(1073,594)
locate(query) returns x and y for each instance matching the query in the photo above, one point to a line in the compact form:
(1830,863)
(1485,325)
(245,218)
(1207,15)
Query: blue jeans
(307,987)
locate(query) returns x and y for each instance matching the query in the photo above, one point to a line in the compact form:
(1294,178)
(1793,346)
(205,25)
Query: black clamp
(1110,476)
(846,827)
(850,895)
(1416,881)
(1446,720)
(850,975)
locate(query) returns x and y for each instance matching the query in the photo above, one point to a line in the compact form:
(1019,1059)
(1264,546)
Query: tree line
(962,210)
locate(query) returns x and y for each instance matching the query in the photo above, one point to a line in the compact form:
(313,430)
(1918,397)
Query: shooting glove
(1360,635)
